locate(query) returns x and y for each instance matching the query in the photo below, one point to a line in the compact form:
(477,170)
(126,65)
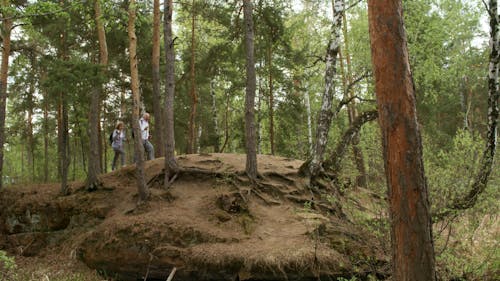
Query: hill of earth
(212,224)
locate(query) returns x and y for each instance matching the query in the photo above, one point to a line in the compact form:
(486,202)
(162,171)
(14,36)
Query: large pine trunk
(4,70)
(251,162)
(136,97)
(170,162)
(159,123)
(411,230)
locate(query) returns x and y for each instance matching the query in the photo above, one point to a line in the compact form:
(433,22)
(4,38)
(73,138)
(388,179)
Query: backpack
(111,138)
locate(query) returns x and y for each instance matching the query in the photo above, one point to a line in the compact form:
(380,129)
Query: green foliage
(450,172)
(7,266)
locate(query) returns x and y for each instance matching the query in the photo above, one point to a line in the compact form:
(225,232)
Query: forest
(397,99)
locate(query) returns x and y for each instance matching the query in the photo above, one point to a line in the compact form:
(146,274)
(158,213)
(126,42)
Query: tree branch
(333,163)
(354,4)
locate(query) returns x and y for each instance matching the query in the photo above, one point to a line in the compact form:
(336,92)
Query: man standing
(144,125)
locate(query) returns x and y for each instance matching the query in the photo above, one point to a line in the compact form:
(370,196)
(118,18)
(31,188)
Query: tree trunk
(226,123)
(326,114)
(307,102)
(259,118)
(353,113)
(251,162)
(159,123)
(481,179)
(6,29)
(171,167)
(194,97)
(271,97)
(63,134)
(45,129)
(30,138)
(136,97)
(94,163)
(411,229)
(335,159)
(214,116)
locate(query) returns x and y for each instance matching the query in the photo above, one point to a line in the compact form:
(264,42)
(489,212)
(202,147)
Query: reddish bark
(411,231)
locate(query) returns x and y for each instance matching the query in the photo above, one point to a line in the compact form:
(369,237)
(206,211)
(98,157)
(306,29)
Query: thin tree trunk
(63,134)
(198,138)
(136,96)
(353,113)
(103,140)
(411,229)
(194,97)
(171,167)
(271,97)
(259,118)
(45,130)
(335,159)
(30,138)
(6,29)
(326,114)
(214,116)
(487,161)
(307,102)
(226,123)
(251,162)
(159,130)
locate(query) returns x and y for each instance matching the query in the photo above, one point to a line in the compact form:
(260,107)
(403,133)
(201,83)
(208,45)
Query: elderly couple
(118,137)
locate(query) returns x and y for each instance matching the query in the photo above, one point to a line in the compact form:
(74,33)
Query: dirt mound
(212,224)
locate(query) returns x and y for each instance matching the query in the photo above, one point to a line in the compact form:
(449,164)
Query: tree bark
(45,127)
(194,98)
(136,97)
(271,96)
(6,29)
(214,116)
(411,230)
(171,167)
(63,133)
(226,123)
(29,123)
(335,159)
(251,162)
(326,114)
(159,123)
(94,163)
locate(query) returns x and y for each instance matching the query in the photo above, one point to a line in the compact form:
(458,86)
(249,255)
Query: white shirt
(144,125)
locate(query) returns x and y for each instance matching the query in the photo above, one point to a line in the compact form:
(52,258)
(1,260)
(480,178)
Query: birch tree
(481,180)
(326,113)
(411,230)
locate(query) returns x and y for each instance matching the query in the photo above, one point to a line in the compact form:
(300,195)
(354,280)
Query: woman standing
(117,144)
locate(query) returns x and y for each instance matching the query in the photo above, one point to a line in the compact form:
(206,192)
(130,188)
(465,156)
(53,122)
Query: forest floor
(212,224)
